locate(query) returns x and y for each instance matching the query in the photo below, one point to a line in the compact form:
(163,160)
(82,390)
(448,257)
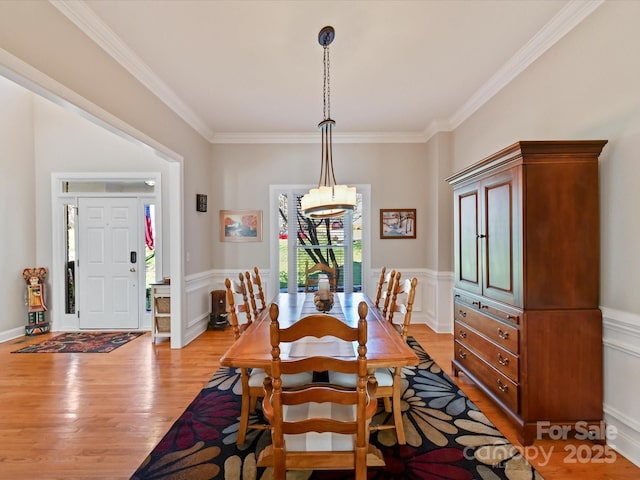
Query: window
(303,241)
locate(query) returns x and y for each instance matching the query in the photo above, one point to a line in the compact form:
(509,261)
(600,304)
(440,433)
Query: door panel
(501,243)
(499,228)
(466,254)
(108,233)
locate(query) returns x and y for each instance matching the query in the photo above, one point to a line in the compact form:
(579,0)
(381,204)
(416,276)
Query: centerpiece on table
(323,298)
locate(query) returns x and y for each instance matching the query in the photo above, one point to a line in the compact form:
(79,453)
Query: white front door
(108,263)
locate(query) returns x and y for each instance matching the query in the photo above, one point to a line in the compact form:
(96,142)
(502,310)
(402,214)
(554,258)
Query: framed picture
(397,223)
(240,225)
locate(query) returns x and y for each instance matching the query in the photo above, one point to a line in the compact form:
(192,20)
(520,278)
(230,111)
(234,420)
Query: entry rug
(82,342)
(447,437)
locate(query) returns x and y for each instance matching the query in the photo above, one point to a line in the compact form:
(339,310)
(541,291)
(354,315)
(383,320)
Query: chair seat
(319,442)
(384,376)
(257,375)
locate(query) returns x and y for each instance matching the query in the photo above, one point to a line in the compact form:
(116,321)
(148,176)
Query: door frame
(70,321)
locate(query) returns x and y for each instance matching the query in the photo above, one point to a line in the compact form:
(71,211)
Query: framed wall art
(240,225)
(397,223)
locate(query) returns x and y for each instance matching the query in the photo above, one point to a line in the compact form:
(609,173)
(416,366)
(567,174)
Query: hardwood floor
(97,416)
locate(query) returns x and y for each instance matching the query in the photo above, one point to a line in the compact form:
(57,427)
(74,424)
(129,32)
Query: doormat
(82,342)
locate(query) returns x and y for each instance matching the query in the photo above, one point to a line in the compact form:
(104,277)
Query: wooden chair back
(238,304)
(283,407)
(393,280)
(381,285)
(402,305)
(255,295)
(311,275)
(251,379)
(385,287)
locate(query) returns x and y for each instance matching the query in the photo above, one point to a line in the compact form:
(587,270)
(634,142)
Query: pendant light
(329,199)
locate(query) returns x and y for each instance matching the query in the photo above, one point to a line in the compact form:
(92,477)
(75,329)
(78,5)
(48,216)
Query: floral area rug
(447,437)
(82,342)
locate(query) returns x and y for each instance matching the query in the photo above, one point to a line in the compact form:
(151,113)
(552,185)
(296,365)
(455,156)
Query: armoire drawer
(462,297)
(501,333)
(500,385)
(501,359)
(508,315)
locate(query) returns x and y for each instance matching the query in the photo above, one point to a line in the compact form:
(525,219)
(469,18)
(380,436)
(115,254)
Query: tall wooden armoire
(528,329)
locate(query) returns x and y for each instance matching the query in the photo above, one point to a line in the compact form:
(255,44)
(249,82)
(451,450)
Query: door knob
(132,269)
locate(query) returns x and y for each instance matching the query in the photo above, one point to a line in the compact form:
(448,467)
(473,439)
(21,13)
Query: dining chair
(251,379)
(312,274)
(390,379)
(385,288)
(237,289)
(381,285)
(319,426)
(257,295)
(402,306)
(394,279)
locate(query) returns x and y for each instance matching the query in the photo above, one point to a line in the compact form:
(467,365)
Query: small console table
(161,321)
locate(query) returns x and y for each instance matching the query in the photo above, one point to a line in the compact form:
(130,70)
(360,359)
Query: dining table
(385,347)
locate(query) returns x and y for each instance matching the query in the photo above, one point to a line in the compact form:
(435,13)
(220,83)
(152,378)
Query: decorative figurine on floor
(36,321)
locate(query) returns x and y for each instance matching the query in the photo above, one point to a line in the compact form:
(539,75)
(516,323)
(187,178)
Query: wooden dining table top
(385,347)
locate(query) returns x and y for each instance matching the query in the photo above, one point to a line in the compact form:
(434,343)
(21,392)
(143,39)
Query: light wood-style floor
(97,416)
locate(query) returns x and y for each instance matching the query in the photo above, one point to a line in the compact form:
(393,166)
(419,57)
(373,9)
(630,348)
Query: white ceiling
(251,70)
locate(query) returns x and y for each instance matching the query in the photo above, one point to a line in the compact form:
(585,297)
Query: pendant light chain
(326,91)
(327,126)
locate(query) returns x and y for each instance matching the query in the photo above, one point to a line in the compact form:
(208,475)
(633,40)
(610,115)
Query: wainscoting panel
(198,289)
(621,339)
(432,306)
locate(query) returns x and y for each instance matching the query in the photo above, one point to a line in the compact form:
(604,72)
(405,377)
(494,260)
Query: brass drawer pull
(502,334)
(502,386)
(477,304)
(462,354)
(504,361)
(462,313)
(462,334)
(510,317)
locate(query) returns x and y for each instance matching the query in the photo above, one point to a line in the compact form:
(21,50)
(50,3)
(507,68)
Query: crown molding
(436,126)
(570,16)
(89,23)
(354,137)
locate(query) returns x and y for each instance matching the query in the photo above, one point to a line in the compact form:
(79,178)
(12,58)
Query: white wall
(588,87)
(18,200)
